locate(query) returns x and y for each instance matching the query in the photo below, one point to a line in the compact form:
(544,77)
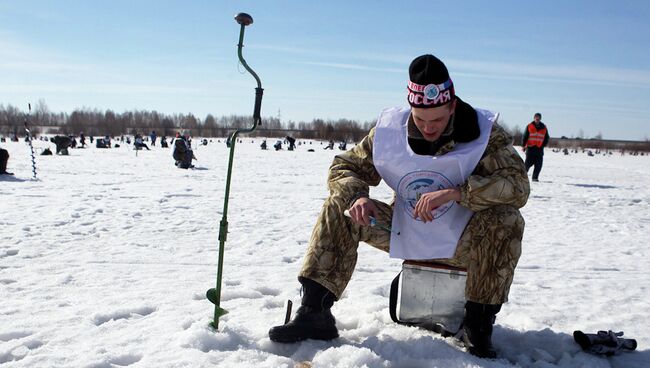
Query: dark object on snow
(343,146)
(102,143)
(163,142)
(205,142)
(310,150)
(4,157)
(62,143)
(287,317)
(263,145)
(292,142)
(46,152)
(138,143)
(116,145)
(183,154)
(278,145)
(604,342)
(330,145)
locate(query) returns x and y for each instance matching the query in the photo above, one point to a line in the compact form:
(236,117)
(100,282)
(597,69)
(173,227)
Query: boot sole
(314,335)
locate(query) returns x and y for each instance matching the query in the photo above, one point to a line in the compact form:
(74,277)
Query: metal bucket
(432,295)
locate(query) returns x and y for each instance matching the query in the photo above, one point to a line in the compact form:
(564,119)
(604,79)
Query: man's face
(537,118)
(432,121)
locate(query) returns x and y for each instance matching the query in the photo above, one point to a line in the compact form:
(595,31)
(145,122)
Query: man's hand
(361,211)
(432,200)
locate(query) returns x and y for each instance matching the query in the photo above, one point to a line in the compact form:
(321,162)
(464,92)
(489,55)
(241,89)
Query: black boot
(477,328)
(313,320)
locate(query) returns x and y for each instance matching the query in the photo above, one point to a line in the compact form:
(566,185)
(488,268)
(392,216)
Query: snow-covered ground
(105,260)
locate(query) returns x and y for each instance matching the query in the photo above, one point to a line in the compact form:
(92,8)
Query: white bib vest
(410,175)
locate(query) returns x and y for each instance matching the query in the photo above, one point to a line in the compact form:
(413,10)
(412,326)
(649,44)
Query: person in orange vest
(535,139)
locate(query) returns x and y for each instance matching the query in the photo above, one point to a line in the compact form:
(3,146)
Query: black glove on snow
(604,342)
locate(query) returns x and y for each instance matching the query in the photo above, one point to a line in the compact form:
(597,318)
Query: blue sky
(585,65)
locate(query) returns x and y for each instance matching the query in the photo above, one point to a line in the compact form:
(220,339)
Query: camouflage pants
(489,249)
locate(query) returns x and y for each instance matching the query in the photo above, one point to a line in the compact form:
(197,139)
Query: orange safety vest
(535,137)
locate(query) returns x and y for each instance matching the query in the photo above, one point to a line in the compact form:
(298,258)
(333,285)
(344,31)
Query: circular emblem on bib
(413,185)
(431,91)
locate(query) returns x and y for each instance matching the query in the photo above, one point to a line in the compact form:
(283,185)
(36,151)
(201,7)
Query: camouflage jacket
(500,177)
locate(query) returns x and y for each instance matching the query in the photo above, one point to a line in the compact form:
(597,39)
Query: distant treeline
(599,144)
(94,122)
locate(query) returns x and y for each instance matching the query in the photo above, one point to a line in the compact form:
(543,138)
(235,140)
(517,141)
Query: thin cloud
(527,72)
(581,74)
(354,67)
(601,106)
(99,88)
(570,73)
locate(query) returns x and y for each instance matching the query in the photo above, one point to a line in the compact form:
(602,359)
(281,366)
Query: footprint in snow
(267,291)
(126,359)
(8,336)
(9,253)
(102,318)
(20,351)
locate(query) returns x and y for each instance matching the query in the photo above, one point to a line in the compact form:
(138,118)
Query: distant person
(535,139)
(183,154)
(292,143)
(91,139)
(138,143)
(278,145)
(101,143)
(62,143)
(82,139)
(153,137)
(263,145)
(330,145)
(343,145)
(4,157)
(163,142)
